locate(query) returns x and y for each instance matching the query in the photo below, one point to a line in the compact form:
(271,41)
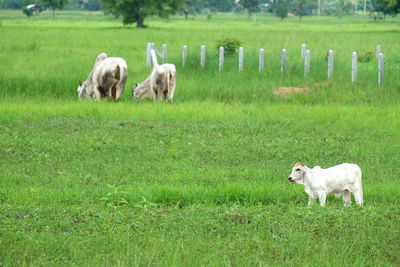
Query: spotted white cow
(106,80)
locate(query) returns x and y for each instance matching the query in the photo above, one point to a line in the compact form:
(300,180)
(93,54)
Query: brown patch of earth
(285,92)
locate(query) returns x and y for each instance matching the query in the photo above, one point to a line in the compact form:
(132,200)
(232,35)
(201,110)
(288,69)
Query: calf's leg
(322,198)
(358,196)
(346,198)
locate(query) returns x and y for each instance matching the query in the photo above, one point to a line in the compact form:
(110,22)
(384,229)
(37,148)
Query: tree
(189,7)
(281,10)
(54,4)
(137,10)
(388,7)
(302,7)
(250,5)
(220,5)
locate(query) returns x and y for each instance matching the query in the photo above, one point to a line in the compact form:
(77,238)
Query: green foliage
(302,7)
(281,10)
(230,45)
(219,5)
(135,11)
(338,8)
(388,7)
(11,4)
(54,4)
(27,11)
(190,7)
(250,5)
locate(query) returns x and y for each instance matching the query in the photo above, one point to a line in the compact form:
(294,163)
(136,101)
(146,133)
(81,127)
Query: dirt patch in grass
(285,92)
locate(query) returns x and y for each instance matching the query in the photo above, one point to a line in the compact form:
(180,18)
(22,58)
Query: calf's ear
(80,83)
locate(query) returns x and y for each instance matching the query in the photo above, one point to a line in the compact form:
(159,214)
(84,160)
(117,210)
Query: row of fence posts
(305,55)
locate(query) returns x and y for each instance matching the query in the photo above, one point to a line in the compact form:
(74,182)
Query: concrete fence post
(184,55)
(241,59)
(153,57)
(148,56)
(303,51)
(203,57)
(164,53)
(261,61)
(221,58)
(378,51)
(307,63)
(330,64)
(283,60)
(380,68)
(354,67)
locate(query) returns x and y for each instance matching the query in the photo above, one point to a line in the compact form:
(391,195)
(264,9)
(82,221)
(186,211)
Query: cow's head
(298,173)
(85,90)
(139,92)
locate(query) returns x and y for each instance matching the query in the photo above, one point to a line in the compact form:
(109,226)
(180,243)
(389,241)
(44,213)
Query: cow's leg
(159,95)
(346,198)
(165,96)
(170,95)
(322,198)
(358,196)
(96,93)
(115,94)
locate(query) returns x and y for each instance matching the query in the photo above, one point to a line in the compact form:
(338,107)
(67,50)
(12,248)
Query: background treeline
(136,11)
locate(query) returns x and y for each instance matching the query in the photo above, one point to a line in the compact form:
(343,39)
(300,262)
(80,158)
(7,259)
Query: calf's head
(139,92)
(298,173)
(85,90)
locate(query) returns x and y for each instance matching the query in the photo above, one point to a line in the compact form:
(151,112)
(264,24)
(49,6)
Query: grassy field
(202,181)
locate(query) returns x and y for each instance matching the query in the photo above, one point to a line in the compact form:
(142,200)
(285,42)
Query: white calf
(338,180)
(160,84)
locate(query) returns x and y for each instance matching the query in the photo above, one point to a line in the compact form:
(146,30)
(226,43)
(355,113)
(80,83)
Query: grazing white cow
(160,84)
(107,79)
(339,180)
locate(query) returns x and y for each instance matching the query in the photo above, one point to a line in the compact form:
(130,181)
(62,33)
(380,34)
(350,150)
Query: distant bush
(230,45)
(281,10)
(27,11)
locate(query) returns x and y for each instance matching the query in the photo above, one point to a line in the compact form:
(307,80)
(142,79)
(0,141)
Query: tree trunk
(54,12)
(319,8)
(139,21)
(186,14)
(365,6)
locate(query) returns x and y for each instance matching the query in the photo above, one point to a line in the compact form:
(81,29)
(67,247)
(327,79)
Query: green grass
(202,181)
(55,54)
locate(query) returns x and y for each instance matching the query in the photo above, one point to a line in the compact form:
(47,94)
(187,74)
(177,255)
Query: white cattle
(160,84)
(339,180)
(106,80)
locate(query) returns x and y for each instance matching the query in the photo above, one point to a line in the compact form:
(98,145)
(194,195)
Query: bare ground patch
(285,92)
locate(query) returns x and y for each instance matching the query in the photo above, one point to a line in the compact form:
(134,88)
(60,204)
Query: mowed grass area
(202,181)
(198,183)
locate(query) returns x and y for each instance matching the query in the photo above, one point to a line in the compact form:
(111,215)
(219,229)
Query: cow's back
(341,176)
(112,68)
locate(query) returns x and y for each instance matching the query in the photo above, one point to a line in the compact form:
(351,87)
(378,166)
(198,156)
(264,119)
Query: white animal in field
(106,80)
(159,85)
(339,180)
